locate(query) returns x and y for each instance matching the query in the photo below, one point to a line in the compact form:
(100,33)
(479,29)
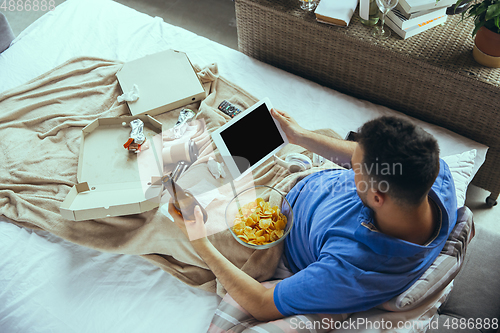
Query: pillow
(461,167)
(231,317)
(444,269)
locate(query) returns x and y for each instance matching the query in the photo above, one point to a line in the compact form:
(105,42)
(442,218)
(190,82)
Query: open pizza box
(113,181)
(165,81)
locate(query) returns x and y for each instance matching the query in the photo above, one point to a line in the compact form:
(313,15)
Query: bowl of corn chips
(259,217)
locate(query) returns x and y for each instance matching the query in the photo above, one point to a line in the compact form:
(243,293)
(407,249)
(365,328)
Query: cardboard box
(166,81)
(111,180)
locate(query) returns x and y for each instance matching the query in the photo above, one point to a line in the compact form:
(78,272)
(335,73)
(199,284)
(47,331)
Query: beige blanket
(40,128)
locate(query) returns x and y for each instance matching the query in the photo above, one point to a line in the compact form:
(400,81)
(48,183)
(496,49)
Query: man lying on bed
(361,236)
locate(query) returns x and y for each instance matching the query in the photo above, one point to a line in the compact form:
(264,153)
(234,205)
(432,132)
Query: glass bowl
(268,194)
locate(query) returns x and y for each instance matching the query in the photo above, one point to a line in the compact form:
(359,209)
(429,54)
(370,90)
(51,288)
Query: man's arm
(337,151)
(246,291)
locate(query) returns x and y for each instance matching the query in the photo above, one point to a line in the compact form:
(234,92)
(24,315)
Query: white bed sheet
(50,285)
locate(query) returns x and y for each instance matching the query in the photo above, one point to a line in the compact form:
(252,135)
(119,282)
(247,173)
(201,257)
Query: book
(412,31)
(415,14)
(404,23)
(412,6)
(335,12)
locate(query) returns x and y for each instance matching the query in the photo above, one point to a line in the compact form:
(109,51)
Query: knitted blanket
(40,126)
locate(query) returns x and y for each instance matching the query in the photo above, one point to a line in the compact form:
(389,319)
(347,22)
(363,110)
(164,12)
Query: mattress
(50,285)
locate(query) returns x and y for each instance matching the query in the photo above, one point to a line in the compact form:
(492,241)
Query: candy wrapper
(137,137)
(181,125)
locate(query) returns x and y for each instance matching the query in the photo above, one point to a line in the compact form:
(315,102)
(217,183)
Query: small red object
(127,144)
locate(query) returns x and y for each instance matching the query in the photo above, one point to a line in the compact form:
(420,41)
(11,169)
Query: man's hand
(291,128)
(192,229)
(250,294)
(335,150)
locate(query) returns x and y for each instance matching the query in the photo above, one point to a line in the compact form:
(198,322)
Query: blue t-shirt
(342,264)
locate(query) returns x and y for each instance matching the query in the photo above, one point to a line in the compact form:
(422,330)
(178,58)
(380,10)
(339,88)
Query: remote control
(228,108)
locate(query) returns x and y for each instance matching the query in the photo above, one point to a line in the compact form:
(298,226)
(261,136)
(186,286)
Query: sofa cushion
(461,168)
(476,292)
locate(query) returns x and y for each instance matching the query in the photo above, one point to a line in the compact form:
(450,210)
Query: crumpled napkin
(131,96)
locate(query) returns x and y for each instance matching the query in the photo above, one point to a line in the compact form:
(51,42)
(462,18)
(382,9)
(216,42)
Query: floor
(215,19)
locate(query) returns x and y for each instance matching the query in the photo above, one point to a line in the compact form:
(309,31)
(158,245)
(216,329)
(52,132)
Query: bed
(48,284)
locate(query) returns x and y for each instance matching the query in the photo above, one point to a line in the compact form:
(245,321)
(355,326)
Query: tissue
(131,96)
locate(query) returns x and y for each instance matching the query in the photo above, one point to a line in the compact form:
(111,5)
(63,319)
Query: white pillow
(461,166)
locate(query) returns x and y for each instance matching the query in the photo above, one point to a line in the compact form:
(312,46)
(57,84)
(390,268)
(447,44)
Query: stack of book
(411,17)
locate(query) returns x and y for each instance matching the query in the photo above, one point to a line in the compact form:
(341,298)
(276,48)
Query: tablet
(249,139)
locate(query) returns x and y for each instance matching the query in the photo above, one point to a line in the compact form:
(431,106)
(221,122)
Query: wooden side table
(431,76)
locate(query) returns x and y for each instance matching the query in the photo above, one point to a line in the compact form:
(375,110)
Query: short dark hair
(411,154)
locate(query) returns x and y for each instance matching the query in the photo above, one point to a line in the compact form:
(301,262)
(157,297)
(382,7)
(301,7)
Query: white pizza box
(113,181)
(165,80)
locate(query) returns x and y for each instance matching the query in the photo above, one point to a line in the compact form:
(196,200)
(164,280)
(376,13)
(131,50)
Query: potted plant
(486,16)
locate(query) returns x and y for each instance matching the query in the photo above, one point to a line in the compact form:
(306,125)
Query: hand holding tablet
(246,141)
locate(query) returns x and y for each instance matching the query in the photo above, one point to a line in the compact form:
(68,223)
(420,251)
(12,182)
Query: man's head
(394,158)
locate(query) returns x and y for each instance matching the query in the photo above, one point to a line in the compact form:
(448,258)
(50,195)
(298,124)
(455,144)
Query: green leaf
(477,10)
(497,22)
(493,11)
(478,26)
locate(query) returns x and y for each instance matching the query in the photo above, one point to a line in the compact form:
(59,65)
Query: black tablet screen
(252,137)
